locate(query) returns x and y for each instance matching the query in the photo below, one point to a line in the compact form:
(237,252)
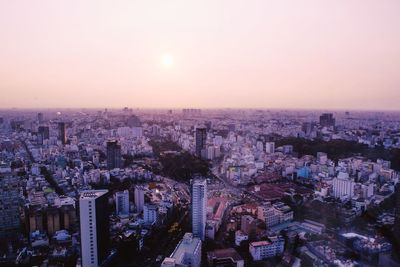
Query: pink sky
(228,53)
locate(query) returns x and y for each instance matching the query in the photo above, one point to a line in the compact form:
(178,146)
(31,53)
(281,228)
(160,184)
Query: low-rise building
(272,247)
(186,254)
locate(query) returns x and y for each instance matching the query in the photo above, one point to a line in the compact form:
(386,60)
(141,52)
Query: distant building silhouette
(201,139)
(327,120)
(43,134)
(62,135)
(40,117)
(113,155)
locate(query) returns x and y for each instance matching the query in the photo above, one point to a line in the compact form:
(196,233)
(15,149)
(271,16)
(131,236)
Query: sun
(167,60)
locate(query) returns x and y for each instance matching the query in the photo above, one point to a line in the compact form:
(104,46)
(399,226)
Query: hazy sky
(206,53)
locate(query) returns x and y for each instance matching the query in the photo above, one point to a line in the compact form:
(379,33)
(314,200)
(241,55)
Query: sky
(317,54)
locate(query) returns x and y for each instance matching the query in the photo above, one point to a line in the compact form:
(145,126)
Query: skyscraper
(201,138)
(62,135)
(113,155)
(94,227)
(9,207)
(139,198)
(199,207)
(43,134)
(122,202)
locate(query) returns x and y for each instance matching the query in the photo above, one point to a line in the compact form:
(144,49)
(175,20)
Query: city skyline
(171,54)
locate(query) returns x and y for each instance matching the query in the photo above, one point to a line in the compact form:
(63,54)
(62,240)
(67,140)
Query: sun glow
(167,60)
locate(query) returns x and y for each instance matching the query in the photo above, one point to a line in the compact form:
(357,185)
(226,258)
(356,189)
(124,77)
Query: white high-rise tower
(199,207)
(94,226)
(139,198)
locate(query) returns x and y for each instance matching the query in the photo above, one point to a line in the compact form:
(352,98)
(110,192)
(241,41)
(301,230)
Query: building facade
(199,207)
(122,202)
(94,227)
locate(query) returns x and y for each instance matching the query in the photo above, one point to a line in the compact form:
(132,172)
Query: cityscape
(170,133)
(193,187)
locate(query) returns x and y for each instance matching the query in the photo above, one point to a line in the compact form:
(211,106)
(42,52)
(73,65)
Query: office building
(187,253)
(113,155)
(94,227)
(9,207)
(122,203)
(327,120)
(43,134)
(199,207)
(139,198)
(62,134)
(201,139)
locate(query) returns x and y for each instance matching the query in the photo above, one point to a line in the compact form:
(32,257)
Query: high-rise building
(150,213)
(327,120)
(40,117)
(270,147)
(122,203)
(186,253)
(308,127)
(94,227)
(201,139)
(62,134)
(113,155)
(43,134)
(9,207)
(199,207)
(343,187)
(139,198)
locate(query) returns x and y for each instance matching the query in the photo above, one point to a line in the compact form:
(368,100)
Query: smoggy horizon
(310,54)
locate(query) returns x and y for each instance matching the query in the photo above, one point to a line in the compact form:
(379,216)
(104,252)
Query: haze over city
(207,54)
(182,133)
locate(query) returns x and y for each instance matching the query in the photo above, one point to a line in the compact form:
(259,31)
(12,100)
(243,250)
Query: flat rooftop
(187,245)
(228,253)
(92,194)
(260,243)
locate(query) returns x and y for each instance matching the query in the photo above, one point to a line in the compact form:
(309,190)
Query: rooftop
(92,194)
(260,243)
(225,254)
(187,245)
